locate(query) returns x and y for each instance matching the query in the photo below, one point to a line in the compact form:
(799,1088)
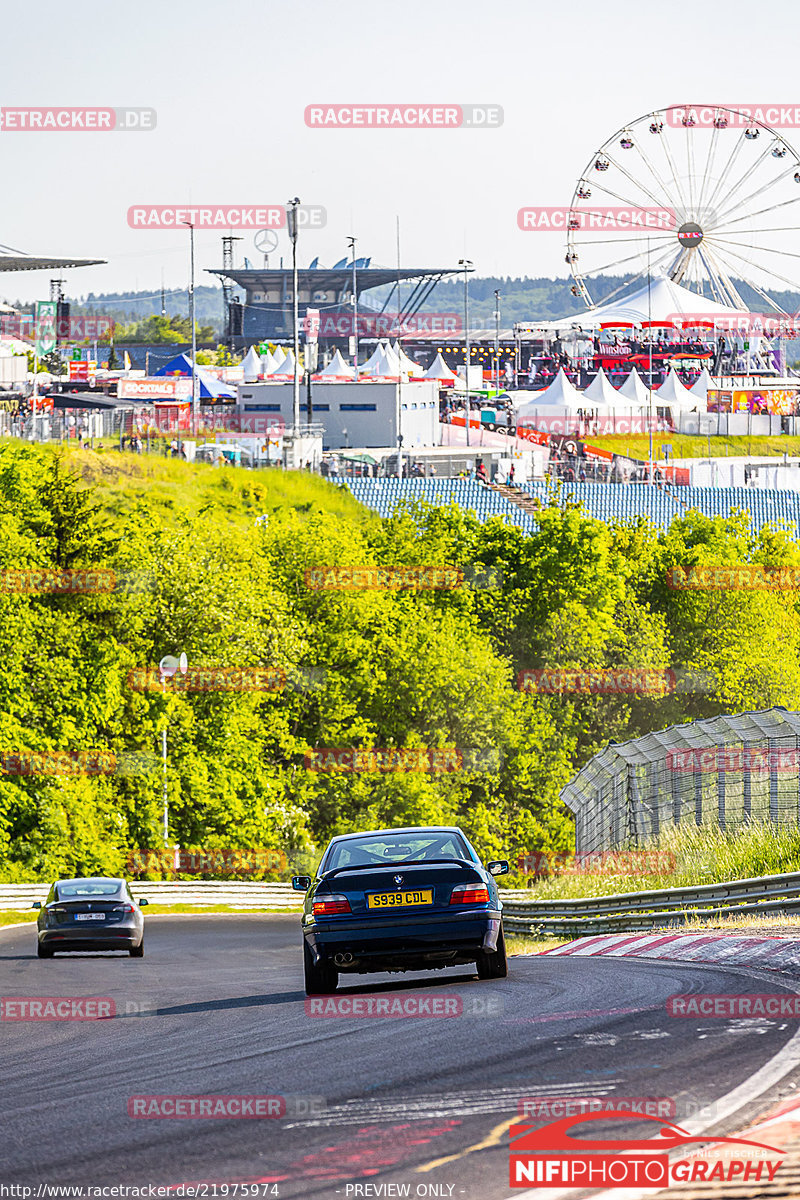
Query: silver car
(90,914)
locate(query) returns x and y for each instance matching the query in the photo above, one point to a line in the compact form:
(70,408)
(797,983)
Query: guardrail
(234,893)
(767,894)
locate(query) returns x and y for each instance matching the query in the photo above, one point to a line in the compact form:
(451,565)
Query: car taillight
(470,893)
(122,908)
(331,905)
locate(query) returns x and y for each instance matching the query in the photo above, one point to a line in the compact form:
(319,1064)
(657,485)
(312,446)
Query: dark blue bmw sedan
(401,900)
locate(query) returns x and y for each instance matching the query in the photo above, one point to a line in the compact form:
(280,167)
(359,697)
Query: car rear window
(388,848)
(87,887)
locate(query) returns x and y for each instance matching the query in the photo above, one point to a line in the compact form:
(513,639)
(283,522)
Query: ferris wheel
(732,186)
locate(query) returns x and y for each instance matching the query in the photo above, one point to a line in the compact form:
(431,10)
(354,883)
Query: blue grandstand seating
(606,501)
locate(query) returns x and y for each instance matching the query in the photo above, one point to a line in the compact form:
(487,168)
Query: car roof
(92,879)
(343,837)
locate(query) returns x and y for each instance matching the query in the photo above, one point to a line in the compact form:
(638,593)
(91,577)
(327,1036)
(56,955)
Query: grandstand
(606,502)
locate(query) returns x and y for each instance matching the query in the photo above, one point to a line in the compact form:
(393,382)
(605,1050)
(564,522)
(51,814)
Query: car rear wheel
(44,951)
(320,980)
(137,951)
(492,964)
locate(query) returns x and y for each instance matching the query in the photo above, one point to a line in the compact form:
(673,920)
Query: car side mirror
(142,902)
(500,867)
(301,883)
(36,904)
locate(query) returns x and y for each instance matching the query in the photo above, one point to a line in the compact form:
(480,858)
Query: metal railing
(764,895)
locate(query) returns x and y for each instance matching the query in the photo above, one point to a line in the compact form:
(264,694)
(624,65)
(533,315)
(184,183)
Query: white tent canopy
(267,363)
(662,301)
(439,370)
(634,389)
(382,362)
(673,392)
(337,368)
(278,356)
(251,365)
(559,395)
(286,369)
(602,392)
(701,385)
(406,364)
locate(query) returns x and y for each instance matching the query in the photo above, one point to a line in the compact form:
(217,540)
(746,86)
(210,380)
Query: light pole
(194,329)
(496,344)
(351,241)
(650,378)
(291,221)
(168,666)
(467,265)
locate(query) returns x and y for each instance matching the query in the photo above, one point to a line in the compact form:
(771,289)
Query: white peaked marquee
(439,370)
(673,392)
(278,356)
(634,389)
(286,369)
(602,392)
(251,365)
(267,363)
(701,385)
(664,300)
(337,368)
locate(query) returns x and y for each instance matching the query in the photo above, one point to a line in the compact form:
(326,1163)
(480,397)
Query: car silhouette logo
(398,879)
(556,1136)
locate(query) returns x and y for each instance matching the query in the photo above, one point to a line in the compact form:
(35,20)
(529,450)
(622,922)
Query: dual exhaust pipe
(343,958)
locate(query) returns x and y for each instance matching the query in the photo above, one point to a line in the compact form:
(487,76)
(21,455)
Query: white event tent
(286,369)
(337,368)
(439,370)
(602,392)
(267,363)
(672,392)
(278,357)
(251,365)
(635,390)
(382,362)
(701,385)
(664,300)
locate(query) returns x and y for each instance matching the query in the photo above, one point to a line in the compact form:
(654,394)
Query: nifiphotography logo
(551,1156)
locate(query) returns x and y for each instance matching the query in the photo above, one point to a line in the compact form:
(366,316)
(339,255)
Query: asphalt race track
(417,1101)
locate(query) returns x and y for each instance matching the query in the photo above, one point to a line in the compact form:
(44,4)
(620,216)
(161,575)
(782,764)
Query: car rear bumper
(119,938)
(405,941)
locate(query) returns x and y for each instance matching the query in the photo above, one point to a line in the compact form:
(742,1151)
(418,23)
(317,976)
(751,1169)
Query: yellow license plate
(399,899)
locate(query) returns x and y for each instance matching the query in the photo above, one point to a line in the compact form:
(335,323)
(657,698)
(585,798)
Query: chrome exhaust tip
(342,958)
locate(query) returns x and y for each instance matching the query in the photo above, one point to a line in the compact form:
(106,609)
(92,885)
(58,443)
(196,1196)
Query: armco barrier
(234,893)
(767,895)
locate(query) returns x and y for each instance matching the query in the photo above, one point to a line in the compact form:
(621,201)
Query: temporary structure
(602,393)
(286,369)
(278,357)
(406,364)
(439,370)
(267,363)
(251,365)
(337,368)
(701,385)
(661,300)
(382,362)
(673,392)
(635,389)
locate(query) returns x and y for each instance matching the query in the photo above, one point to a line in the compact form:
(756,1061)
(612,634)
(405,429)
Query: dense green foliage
(367,668)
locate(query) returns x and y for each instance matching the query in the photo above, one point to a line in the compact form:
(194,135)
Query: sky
(230,84)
